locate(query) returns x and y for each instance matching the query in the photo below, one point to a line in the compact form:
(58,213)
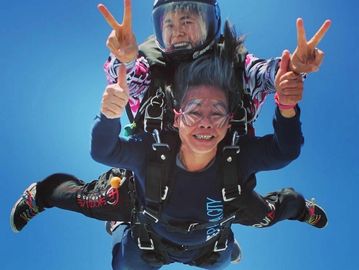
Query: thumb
(284,63)
(121,78)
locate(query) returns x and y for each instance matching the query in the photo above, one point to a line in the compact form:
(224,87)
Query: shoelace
(313,218)
(311,207)
(33,210)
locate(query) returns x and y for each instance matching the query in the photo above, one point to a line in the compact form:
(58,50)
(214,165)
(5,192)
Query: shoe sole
(239,258)
(12,224)
(326,224)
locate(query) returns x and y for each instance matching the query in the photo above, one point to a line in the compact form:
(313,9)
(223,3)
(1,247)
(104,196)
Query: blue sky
(52,53)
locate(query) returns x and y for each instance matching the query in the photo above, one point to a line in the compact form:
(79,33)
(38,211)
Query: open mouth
(203,137)
(182,45)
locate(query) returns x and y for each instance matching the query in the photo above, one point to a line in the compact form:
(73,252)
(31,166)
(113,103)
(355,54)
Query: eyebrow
(185,17)
(197,103)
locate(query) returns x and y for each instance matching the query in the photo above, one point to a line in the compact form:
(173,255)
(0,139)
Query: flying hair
(216,70)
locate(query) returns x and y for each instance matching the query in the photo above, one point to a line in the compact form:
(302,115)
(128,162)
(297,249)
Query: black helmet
(186,29)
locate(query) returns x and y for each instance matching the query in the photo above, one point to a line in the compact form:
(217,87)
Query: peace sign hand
(121,42)
(307,57)
(115,96)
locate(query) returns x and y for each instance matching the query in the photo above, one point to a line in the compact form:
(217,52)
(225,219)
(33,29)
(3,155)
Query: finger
(291,76)
(289,89)
(127,16)
(121,78)
(116,95)
(108,16)
(301,38)
(110,113)
(318,36)
(284,63)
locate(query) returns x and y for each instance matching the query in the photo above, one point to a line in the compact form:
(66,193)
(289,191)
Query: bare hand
(121,41)
(289,86)
(116,96)
(307,57)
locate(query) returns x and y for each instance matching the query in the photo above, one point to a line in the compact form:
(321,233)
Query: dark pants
(99,200)
(96,199)
(263,211)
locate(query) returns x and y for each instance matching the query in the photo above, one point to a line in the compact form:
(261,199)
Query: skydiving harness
(155,109)
(159,183)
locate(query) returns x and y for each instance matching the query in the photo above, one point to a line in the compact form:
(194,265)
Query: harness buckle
(228,199)
(226,220)
(150,215)
(239,121)
(217,248)
(165,192)
(191,226)
(145,246)
(154,113)
(158,145)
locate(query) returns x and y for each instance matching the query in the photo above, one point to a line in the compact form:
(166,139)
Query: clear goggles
(193,113)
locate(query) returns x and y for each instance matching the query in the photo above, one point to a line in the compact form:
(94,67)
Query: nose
(206,122)
(178,30)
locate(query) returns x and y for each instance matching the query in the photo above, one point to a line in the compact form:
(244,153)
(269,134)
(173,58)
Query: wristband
(280,105)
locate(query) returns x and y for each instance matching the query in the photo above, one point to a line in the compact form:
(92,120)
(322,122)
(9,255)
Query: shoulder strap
(158,172)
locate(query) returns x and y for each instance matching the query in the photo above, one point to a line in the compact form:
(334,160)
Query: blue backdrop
(52,53)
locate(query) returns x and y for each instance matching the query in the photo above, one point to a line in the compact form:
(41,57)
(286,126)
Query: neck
(194,162)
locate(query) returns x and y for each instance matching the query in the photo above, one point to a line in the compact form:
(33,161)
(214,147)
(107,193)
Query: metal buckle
(158,144)
(230,199)
(191,226)
(226,220)
(139,244)
(150,215)
(159,102)
(216,249)
(165,194)
(148,117)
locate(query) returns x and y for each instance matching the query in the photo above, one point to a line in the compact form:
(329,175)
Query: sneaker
(111,226)
(24,209)
(236,255)
(315,215)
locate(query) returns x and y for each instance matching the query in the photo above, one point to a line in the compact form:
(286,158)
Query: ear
(176,121)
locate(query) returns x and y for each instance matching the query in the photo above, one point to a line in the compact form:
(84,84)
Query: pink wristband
(280,105)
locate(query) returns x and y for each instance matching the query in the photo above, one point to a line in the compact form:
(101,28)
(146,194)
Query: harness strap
(153,118)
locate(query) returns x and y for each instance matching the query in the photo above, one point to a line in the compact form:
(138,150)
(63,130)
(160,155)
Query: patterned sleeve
(259,81)
(138,78)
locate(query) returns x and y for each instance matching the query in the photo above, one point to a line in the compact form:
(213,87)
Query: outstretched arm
(124,49)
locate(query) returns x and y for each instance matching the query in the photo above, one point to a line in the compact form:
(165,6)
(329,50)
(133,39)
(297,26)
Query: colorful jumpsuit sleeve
(138,78)
(259,81)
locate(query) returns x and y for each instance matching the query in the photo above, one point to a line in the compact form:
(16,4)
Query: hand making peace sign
(121,42)
(307,57)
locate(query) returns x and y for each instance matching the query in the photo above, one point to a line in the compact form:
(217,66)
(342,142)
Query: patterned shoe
(315,215)
(24,209)
(236,255)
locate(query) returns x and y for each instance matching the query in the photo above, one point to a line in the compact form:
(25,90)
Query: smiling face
(203,121)
(183,30)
